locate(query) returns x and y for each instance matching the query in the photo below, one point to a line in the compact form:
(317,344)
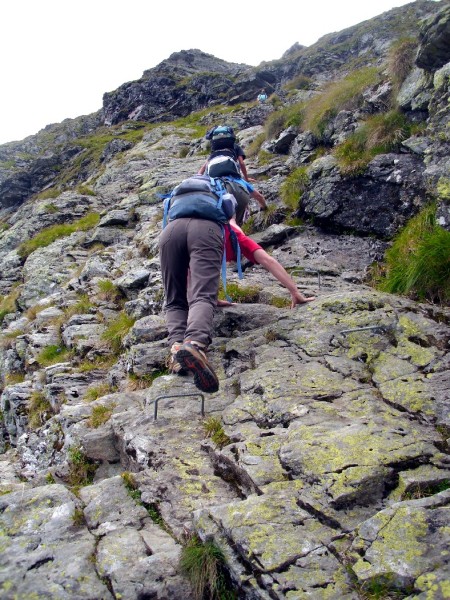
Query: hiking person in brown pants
(195,247)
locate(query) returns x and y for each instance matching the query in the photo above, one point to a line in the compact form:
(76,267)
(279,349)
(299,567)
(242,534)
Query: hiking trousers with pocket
(191,247)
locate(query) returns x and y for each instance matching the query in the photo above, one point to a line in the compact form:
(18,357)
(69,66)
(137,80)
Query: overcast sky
(58,58)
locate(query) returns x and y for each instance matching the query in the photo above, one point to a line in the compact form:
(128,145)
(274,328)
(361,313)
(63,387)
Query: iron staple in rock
(156,400)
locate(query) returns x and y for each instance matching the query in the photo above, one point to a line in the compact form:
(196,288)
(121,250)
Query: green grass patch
(400,60)
(345,94)
(426,490)
(116,330)
(78,519)
(49,193)
(418,262)
(8,304)
(39,410)
(81,469)
(130,483)
(85,190)
(99,362)
(284,117)
(108,291)
(97,391)
(51,208)
(213,429)
(53,354)
(100,415)
(131,486)
(203,563)
(280,302)
(255,146)
(50,234)
(82,306)
(141,382)
(299,82)
(240,293)
(292,188)
(14,378)
(380,134)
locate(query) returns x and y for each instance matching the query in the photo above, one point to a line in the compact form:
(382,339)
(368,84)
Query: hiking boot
(173,366)
(192,357)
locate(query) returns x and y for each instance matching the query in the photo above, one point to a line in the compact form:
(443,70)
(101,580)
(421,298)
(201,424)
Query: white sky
(57,58)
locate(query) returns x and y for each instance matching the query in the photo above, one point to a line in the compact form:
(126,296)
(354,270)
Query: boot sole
(204,378)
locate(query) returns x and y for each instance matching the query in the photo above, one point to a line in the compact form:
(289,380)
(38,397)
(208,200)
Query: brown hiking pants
(193,246)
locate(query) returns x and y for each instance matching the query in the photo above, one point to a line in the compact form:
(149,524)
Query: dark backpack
(221,138)
(200,197)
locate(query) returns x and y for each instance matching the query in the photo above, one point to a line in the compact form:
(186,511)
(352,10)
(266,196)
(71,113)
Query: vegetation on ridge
(418,262)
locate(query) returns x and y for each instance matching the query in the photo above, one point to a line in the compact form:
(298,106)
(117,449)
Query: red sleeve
(246,244)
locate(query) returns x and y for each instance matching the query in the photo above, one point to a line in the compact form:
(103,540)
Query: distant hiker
(262,96)
(191,247)
(254,253)
(227,162)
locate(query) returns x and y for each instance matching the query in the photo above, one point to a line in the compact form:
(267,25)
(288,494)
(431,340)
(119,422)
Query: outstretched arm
(243,168)
(259,198)
(274,267)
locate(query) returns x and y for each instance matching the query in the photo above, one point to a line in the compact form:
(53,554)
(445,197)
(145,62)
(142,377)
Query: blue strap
(220,188)
(166,210)
(248,186)
(238,260)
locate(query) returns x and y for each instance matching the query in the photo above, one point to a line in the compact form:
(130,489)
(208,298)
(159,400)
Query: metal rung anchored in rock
(156,401)
(374,328)
(307,270)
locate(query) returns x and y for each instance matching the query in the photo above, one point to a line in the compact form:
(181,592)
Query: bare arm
(203,168)
(243,167)
(259,198)
(274,267)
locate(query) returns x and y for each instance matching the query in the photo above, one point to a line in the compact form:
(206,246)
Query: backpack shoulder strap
(166,205)
(237,250)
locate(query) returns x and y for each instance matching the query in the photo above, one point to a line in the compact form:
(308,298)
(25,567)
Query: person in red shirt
(254,253)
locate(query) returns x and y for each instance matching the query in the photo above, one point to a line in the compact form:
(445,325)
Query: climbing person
(227,162)
(262,96)
(191,248)
(257,255)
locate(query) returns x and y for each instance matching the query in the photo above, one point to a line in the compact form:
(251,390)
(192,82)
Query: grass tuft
(204,566)
(116,330)
(97,392)
(381,133)
(240,293)
(214,429)
(39,410)
(50,234)
(100,415)
(53,354)
(81,469)
(400,60)
(109,291)
(418,262)
(345,94)
(293,187)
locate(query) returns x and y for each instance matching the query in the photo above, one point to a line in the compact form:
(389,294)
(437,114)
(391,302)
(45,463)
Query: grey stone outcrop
(320,468)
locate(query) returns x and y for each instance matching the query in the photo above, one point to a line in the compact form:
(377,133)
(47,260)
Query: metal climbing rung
(156,400)
(378,328)
(306,270)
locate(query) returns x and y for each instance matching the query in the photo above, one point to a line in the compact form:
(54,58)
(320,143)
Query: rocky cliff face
(321,466)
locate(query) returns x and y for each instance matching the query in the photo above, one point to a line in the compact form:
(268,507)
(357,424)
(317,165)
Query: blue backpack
(200,197)
(204,197)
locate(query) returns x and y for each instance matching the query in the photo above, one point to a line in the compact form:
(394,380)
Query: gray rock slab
(44,552)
